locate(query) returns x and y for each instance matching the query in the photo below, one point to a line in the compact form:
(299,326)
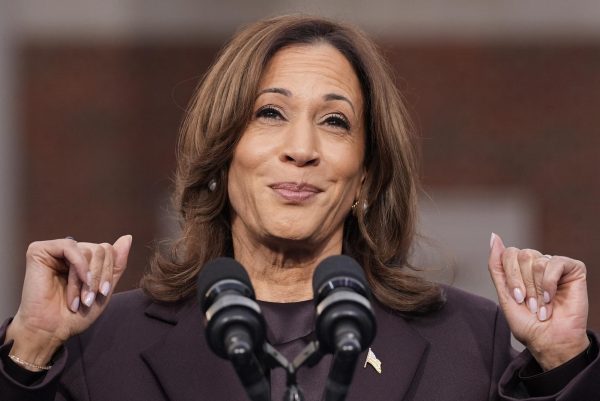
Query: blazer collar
(186,368)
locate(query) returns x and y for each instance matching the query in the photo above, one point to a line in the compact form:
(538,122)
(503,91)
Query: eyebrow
(327,97)
(334,96)
(281,91)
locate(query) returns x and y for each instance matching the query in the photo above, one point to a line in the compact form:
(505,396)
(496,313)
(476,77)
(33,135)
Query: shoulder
(462,302)
(462,310)
(465,318)
(127,300)
(129,314)
(125,306)
(463,335)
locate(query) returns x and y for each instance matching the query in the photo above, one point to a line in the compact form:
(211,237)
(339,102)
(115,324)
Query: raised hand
(544,299)
(67,286)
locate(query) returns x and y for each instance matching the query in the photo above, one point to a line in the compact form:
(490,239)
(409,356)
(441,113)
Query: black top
(289,330)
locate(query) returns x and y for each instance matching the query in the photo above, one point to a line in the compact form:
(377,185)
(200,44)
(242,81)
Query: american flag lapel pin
(373,361)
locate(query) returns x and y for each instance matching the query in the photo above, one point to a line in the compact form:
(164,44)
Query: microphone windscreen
(337,266)
(220,269)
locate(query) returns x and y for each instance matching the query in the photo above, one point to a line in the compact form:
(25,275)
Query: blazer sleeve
(65,365)
(507,382)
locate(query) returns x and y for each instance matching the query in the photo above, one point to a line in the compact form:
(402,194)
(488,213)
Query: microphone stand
(309,356)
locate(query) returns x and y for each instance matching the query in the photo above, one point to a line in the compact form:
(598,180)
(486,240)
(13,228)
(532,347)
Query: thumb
(121,247)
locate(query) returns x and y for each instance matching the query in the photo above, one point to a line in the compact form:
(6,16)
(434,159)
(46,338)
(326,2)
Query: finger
(538,267)
(514,280)
(525,258)
(93,277)
(65,249)
(560,269)
(74,285)
(552,274)
(497,269)
(107,269)
(87,254)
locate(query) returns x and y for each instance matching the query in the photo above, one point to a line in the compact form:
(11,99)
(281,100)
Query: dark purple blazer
(139,350)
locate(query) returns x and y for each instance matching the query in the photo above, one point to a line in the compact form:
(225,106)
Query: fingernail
(546,297)
(532,302)
(89,279)
(89,299)
(75,305)
(518,295)
(105,288)
(492,238)
(543,313)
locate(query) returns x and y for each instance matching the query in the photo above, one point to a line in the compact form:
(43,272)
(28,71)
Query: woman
(296,147)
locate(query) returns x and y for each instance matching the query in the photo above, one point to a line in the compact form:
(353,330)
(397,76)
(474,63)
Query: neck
(281,271)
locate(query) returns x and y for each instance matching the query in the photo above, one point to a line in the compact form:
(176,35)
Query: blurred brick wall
(100,125)
(521,117)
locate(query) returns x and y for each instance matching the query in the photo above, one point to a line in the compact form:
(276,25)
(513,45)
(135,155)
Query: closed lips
(294,191)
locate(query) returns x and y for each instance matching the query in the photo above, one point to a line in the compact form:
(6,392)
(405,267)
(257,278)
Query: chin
(303,225)
(292,233)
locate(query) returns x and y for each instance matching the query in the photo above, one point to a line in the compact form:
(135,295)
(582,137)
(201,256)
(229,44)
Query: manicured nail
(105,288)
(543,315)
(546,297)
(75,305)
(518,295)
(492,238)
(89,299)
(532,302)
(89,279)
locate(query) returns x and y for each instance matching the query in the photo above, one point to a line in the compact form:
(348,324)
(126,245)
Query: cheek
(244,170)
(237,179)
(252,150)
(352,168)
(348,163)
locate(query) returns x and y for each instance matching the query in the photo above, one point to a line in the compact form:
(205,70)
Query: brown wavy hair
(378,235)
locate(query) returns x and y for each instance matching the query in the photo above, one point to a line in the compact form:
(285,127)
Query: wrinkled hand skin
(67,286)
(544,299)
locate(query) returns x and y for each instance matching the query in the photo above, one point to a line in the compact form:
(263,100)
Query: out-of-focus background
(505,96)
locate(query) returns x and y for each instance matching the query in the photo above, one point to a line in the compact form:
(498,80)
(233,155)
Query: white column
(11,256)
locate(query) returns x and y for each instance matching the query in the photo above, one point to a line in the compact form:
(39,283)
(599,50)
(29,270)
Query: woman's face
(298,167)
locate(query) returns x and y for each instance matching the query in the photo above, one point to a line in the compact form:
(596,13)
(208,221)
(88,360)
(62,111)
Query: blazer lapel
(182,362)
(402,352)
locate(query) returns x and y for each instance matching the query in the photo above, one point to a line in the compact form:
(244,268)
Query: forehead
(315,67)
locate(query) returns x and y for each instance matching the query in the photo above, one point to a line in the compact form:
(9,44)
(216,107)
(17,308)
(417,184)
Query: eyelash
(336,120)
(269,112)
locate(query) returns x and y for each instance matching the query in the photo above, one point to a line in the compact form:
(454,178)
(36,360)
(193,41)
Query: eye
(337,120)
(269,112)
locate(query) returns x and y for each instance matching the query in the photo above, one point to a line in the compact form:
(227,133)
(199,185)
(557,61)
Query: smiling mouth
(295,192)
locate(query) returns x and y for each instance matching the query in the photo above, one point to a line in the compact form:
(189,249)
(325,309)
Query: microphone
(345,324)
(235,327)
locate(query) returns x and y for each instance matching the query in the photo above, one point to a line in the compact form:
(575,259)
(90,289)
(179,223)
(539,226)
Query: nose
(301,146)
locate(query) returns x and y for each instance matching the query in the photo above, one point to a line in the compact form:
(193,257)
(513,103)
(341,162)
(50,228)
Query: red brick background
(100,125)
